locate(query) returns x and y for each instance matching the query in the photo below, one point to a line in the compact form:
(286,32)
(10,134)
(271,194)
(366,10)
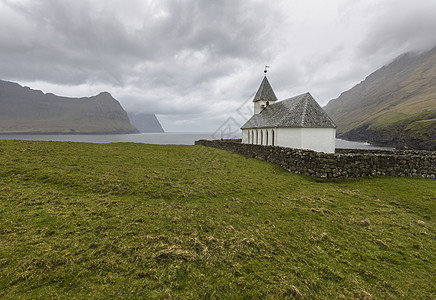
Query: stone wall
(343,164)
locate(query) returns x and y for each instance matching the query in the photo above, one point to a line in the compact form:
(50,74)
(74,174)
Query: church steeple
(264,96)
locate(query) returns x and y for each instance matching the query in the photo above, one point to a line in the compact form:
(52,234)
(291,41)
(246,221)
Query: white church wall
(245,135)
(289,137)
(262,136)
(265,137)
(268,137)
(318,139)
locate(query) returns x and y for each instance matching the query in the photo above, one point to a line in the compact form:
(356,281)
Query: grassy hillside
(380,108)
(150,221)
(23,110)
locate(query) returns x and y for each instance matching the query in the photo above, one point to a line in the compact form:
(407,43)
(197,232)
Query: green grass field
(130,220)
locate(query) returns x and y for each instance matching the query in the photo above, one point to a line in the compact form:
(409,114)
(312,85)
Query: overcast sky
(195,63)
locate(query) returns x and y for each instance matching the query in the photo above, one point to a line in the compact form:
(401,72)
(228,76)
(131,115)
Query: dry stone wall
(343,164)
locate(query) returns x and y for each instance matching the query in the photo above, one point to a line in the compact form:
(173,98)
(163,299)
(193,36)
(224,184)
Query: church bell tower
(264,96)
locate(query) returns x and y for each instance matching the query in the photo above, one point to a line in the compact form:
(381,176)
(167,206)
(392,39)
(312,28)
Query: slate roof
(265,92)
(299,111)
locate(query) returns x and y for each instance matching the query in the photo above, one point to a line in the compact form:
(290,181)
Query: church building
(298,122)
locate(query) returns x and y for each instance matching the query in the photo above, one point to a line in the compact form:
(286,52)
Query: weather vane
(266,67)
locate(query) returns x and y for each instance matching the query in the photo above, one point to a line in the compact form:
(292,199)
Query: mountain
(23,110)
(145,122)
(394,106)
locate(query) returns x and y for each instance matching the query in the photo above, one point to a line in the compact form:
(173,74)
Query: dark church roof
(265,92)
(299,111)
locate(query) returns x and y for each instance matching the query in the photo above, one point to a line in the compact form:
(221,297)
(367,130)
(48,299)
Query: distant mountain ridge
(394,106)
(24,110)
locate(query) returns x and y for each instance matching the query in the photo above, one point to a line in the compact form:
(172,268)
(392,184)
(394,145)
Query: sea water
(175,138)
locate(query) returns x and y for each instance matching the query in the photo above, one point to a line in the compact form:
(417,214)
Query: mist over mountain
(394,106)
(145,122)
(23,110)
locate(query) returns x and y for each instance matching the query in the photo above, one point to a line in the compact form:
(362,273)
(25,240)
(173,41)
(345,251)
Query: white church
(298,122)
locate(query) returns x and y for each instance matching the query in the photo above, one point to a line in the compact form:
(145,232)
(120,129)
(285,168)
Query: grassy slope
(425,129)
(134,220)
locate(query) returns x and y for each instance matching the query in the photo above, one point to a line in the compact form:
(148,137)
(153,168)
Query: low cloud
(399,26)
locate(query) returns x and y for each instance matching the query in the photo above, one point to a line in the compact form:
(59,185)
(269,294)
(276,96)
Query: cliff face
(146,122)
(23,110)
(395,106)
